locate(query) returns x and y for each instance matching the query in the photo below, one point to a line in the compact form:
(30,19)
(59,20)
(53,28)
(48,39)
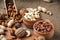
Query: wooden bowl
(48,35)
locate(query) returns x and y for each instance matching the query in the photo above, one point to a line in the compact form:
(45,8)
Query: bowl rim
(53,28)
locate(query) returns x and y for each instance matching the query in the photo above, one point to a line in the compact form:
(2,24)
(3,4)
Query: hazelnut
(22,11)
(10,9)
(1,17)
(3,23)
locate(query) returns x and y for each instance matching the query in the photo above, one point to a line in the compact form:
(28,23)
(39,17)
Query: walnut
(20,32)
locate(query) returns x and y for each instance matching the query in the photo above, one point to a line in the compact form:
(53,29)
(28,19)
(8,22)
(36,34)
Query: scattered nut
(28,33)
(44,10)
(18,25)
(48,1)
(20,32)
(39,8)
(1,31)
(29,9)
(2,27)
(10,9)
(49,13)
(3,38)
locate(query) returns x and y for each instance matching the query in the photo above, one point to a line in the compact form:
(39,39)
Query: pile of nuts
(43,27)
(32,16)
(11,10)
(10,29)
(34,13)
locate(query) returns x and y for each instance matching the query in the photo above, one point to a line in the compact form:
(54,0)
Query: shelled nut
(1,31)
(49,13)
(44,10)
(1,36)
(4,38)
(28,33)
(2,27)
(10,23)
(48,1)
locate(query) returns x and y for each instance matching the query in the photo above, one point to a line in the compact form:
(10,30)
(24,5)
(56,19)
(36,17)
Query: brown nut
(9,33)
(10,4)
(22,11)
(3,23)
(18,25)
(10,9)
(20,32)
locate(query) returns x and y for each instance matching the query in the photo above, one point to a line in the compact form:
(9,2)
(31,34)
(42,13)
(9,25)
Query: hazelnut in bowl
(30,18)
(44,28)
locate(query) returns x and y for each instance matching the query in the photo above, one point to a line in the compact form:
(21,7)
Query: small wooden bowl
(48,35)
(28,23)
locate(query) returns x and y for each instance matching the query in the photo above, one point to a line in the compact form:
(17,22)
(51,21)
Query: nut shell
(20,32)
